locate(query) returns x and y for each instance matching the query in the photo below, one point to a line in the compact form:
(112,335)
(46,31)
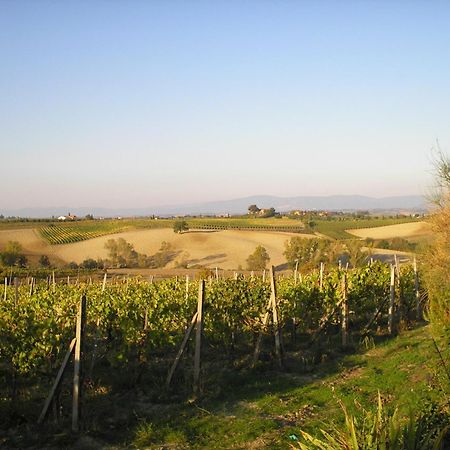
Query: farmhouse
(68,217)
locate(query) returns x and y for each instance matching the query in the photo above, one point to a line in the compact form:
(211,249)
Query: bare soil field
(410,230)
(226,249)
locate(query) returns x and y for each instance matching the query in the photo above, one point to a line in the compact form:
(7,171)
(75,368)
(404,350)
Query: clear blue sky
(141,103)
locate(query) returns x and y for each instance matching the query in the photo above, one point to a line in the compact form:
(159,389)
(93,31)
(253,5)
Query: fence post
(77,366)
(198,336)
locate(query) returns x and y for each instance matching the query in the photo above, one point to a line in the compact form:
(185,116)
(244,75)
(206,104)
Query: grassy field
(259,408)
(251,411)
(262,412)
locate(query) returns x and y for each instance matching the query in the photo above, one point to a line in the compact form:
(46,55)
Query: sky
(143,103)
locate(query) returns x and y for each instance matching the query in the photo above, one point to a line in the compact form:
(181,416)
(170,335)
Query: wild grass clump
(380,430)
(148,434)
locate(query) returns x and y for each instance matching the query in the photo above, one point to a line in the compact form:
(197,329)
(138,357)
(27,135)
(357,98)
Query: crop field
(67,233)
(133,329)
(58,234)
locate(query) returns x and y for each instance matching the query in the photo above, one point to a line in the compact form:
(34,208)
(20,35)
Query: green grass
(336,228)
(258,408)
(263,410)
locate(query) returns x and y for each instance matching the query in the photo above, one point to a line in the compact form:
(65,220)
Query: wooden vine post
(260,335)
(104,282)
(294,319)
(344,312)
(198,336)
(5,293)
(391,320)
(16,291)
(187,287)
(417,291)
(57,382)
(273,308)
(276,326)
(181,350)
(321,276)
(31,286)
(146,310)
(77,366)
(401,305)
(296,273)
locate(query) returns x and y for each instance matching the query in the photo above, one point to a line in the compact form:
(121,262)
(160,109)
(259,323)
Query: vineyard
(58,234)
(66,233)
(134,327)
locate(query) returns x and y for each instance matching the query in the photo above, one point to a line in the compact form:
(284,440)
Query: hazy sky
(140,103)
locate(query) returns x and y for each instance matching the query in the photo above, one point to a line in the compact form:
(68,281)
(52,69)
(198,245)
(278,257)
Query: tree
(44,261)
(12,255)
(121,253)
(258,259)
(89,264)
(179,226)
(163,256)
(301,250)
(253,209)
(111,246)
(355,253)
(269,212)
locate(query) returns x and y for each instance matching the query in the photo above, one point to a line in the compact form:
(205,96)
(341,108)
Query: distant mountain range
(409,203)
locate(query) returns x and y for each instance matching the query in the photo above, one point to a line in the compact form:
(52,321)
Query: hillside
(238,206)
